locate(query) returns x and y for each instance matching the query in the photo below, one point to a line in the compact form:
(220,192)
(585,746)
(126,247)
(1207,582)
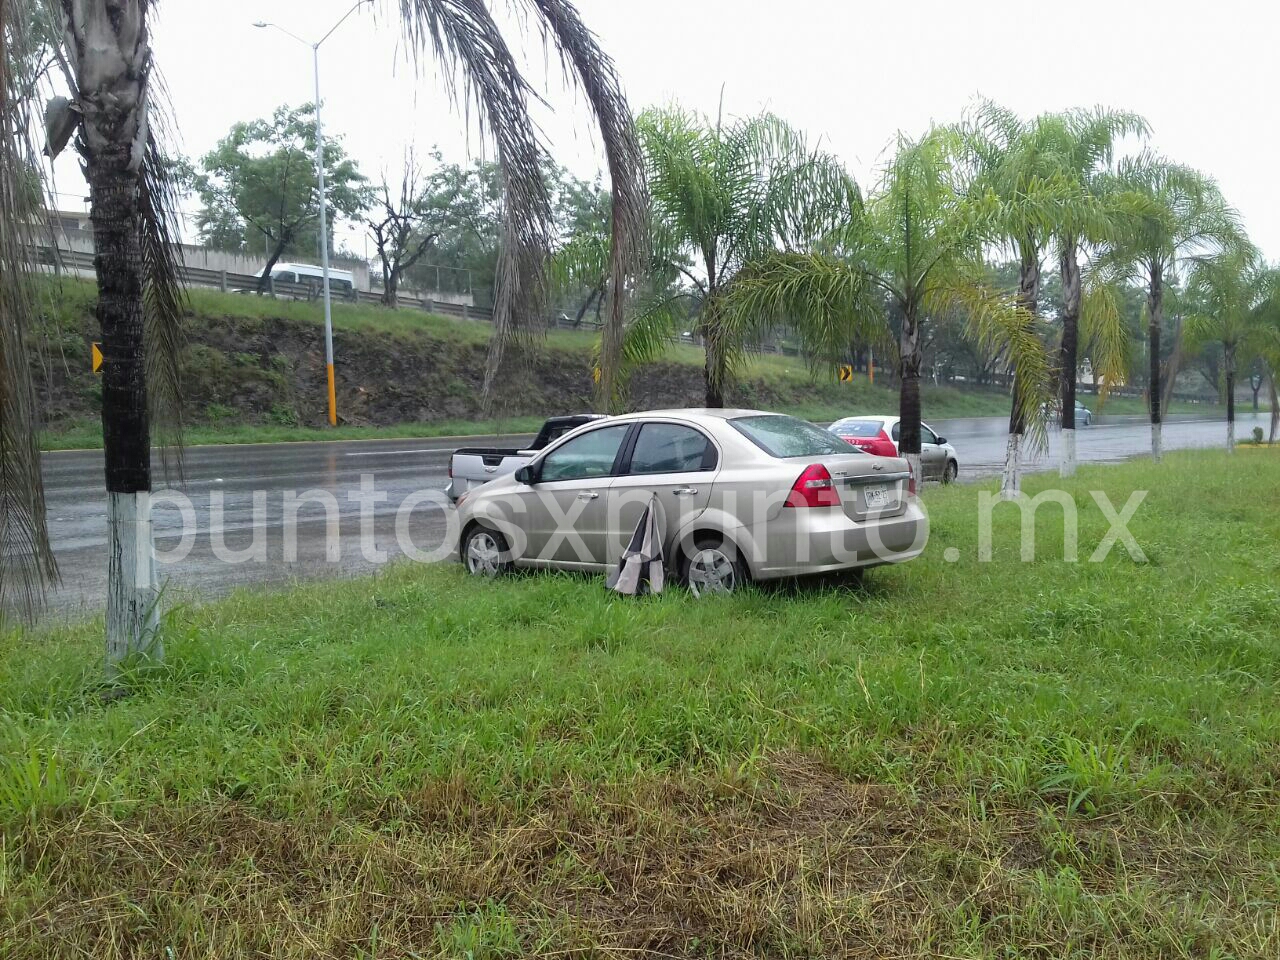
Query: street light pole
(324,244)
(324,212)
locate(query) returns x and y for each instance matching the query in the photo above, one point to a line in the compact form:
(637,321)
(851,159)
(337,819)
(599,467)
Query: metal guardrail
(229,282)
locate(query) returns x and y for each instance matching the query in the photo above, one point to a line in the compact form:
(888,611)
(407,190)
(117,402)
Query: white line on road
(398,453)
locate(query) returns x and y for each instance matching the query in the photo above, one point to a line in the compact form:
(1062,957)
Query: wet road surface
(225,485)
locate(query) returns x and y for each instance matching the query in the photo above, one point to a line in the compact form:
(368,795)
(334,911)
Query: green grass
(958,758)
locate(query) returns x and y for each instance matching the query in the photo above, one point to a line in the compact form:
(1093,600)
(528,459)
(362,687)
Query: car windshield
(857,428)
(783,437)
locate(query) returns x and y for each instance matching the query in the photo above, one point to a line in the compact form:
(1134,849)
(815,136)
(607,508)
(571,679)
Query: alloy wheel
(711,570)
(484,554)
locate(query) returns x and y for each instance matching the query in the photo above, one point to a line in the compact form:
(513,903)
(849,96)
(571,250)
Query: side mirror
(940,440)
(525,475)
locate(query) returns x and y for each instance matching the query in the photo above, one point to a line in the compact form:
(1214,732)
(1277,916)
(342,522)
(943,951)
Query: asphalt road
(221,483)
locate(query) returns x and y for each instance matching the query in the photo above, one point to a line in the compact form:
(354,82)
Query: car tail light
(911,480)
(813,488)
(878,446)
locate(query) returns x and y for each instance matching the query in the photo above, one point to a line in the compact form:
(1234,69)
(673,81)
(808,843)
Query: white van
(342,283)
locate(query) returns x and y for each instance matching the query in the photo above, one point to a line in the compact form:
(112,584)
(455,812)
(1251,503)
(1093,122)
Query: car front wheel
(485,553)
(951,472)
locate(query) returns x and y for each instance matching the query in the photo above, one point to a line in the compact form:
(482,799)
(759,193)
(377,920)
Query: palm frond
(657,323)
(465,40)
(27,563)
(585,62)
(830,303)
(1105,338)
(995,321)
(164,296)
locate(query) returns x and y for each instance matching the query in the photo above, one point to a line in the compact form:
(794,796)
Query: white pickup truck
(469,467)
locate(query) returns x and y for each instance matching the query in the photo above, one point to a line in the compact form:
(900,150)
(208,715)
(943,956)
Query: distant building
(70,224)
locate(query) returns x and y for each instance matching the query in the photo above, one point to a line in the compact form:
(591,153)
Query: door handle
(588,495)
(684,491)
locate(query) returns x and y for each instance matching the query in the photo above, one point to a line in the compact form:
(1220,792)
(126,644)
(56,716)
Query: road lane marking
(398,453)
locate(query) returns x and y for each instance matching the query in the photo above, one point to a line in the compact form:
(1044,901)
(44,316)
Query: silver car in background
(740,494)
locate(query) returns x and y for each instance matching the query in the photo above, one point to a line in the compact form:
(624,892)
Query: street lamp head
(260,24)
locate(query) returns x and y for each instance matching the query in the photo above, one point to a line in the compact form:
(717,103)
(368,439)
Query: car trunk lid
(869,487)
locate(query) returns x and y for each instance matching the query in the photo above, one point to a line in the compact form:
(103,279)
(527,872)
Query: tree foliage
(258,186)
(726,197)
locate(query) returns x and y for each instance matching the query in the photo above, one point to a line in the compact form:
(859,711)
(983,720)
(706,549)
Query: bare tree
(400,227)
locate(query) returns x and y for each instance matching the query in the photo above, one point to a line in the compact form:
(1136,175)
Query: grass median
(957,757)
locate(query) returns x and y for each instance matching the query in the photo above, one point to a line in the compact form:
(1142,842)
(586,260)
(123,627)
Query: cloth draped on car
(641,568)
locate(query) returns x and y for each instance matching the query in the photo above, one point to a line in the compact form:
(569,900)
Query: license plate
(879,496)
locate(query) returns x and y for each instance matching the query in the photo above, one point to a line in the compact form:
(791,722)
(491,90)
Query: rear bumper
(807,541)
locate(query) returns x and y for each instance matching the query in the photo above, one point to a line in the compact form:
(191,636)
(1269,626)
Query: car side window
(671,448)
(585,457)
(896,432)
(927,435)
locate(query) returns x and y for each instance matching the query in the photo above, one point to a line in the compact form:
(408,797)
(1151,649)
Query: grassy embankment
(958,759)
(251,398)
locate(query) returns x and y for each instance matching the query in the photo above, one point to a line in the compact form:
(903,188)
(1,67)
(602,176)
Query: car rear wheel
(485,553)
(951,472)
(713,567)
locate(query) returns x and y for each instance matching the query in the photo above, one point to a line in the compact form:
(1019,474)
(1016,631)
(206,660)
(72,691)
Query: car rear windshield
(857,428)
(783,437)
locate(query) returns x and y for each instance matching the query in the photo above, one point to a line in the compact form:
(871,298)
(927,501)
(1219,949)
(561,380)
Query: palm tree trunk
(713,395)
(132,621)
(111,58)
(909,363)
(1155,319)
(1028,299)
(1229,362)
(713,371)
(1275,406)
(1068,359)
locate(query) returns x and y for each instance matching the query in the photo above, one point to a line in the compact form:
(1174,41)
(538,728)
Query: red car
(878,436)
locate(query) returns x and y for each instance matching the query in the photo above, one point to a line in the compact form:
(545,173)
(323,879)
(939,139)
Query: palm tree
(1080,146)
(1044,174)
(1182,217)
(108,65)
(726,195)
(1268,335)
(1232,296)
(919,245)
(1014,164)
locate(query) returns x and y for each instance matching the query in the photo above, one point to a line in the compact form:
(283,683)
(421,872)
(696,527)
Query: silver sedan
(738,495)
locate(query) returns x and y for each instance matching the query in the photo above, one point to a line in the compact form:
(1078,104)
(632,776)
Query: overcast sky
(851,73)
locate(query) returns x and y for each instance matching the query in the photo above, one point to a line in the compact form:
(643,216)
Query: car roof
(868,416)
(700,413)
